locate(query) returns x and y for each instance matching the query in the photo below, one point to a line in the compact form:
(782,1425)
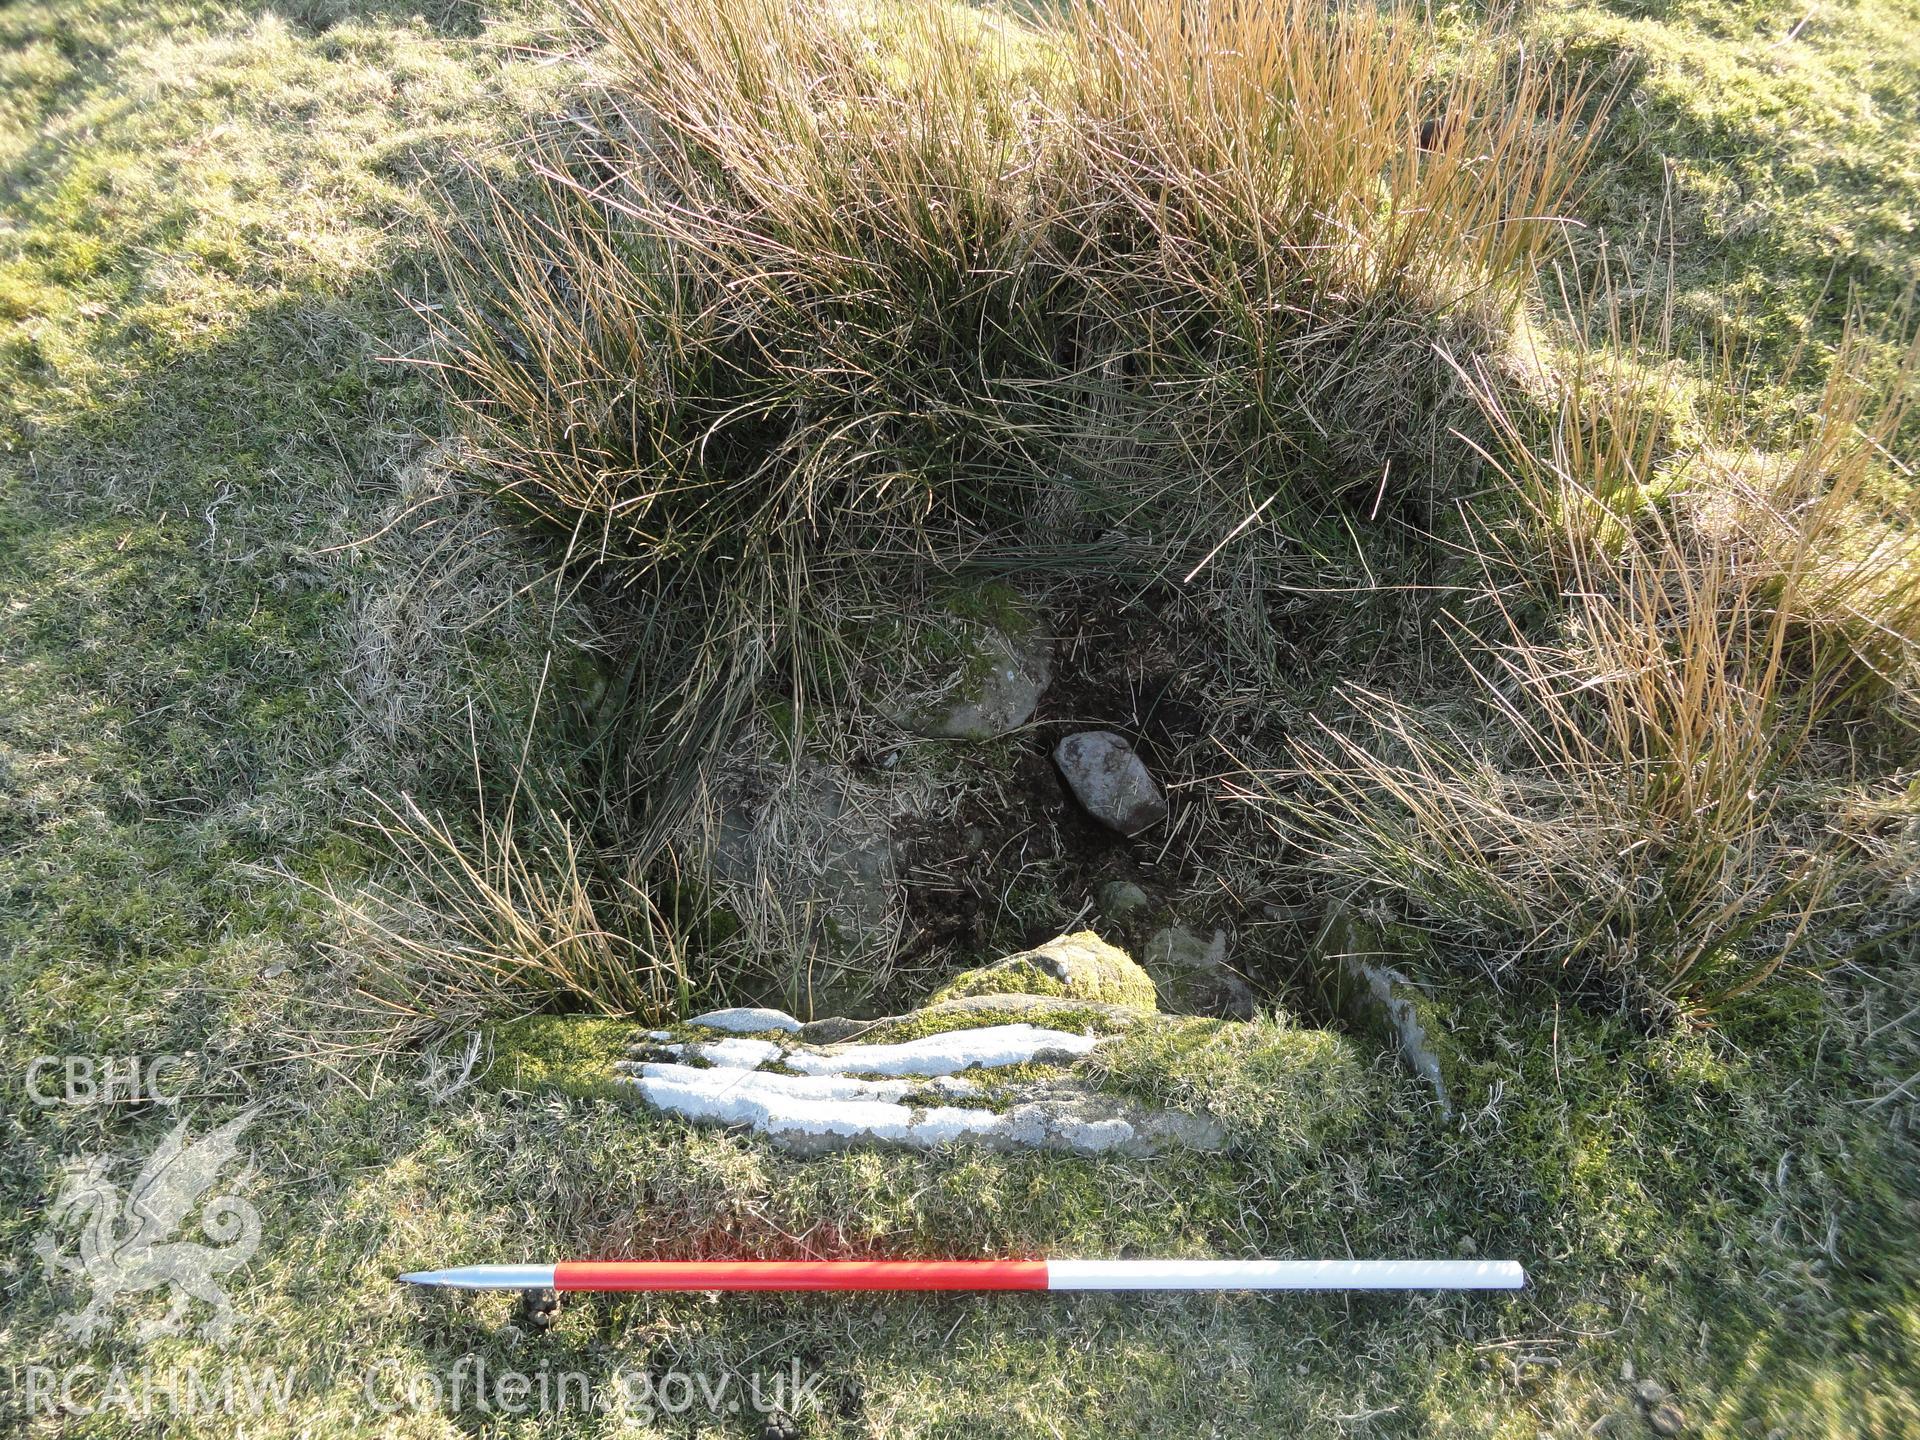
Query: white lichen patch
(807,1106)
(729,1054)
(956,1050)
(985,1048)
(747,1020)
(822,1111)
(802,1087)
(820,1097)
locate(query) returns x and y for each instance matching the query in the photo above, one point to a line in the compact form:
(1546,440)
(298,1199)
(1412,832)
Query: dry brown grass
(1638,794)
(522,916)
(1815,528)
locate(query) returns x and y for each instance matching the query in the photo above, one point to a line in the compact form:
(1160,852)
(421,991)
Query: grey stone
(813,842)
(999,690)
(1192,977)
(1666,1418)
(1357,985)
(1064,1118)
(1121,898)
(1068,1117)
(1110,780)
(836,1028)
(1001,1068)
(1177,947)
(933,1090)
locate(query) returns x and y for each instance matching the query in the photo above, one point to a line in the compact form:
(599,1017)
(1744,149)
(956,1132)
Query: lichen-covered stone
(793,854)
(1192,976)
(963,1011)
(1100,1015)
(811,835)
(946,1052)
(1080,966)
(974,1083)
(998,688)
(814,1113)
(1060,1050)
(746,1020)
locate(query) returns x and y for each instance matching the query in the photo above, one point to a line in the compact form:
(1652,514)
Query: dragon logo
(127,1245)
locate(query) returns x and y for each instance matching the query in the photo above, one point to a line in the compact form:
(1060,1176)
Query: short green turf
(220,624)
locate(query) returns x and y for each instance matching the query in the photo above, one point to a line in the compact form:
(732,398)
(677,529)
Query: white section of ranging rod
(1285,1275)
(485,1277)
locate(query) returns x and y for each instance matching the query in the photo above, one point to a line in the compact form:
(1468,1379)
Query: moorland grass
(807,304)
(199,269)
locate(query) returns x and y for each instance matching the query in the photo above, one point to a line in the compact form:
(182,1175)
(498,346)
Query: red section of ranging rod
(800,1275)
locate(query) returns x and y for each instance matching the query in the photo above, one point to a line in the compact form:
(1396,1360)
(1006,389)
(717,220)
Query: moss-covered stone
(1192,976)
(994,603)
(1121,900)
(972,1012)
(999,682)
(1358,969)
(1080,966)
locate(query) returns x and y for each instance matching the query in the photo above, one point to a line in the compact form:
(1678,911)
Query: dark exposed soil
(1020,859)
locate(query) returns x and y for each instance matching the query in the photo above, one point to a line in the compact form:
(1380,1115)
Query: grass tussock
(526,915)
(803,302)
(1818,519)
(1652,782)
(811,296)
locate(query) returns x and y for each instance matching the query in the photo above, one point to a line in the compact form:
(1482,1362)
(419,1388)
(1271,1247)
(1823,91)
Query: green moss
(993,603)
(1436,1031)
(1266,1082)
(1769,162)
(1080,966)
(1017,976)
(570,1053)
(1067,1015)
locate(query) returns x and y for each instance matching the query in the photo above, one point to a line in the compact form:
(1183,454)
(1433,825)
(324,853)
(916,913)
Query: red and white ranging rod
(609,1275)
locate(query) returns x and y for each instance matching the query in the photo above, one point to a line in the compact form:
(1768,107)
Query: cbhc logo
(103,1080)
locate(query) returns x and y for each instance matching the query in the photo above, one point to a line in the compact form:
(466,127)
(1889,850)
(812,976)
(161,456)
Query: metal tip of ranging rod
(484,1277)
